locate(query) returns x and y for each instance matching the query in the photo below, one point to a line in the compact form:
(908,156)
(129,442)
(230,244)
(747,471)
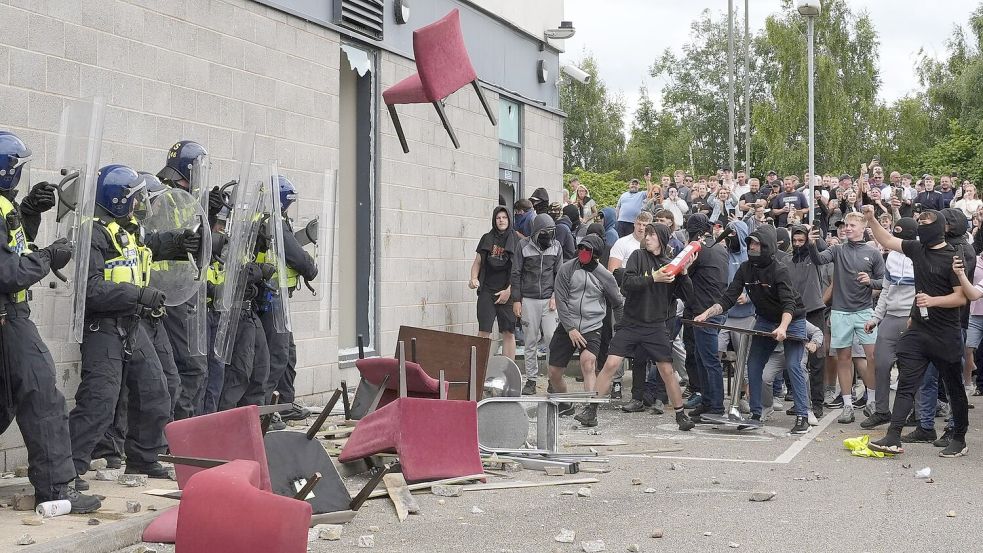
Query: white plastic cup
(50,509)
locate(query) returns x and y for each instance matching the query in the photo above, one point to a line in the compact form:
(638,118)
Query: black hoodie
(955,235)
(768,282)
(496,249)
(647,301)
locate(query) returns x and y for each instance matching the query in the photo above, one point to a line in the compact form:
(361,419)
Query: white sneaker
(813,421)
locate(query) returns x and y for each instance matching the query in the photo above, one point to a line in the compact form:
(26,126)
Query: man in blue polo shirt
(629,205)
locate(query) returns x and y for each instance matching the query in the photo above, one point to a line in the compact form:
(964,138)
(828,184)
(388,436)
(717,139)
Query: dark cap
(772,173)
(845,176)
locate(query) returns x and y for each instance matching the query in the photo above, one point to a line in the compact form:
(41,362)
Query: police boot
(80,503)
(153,470)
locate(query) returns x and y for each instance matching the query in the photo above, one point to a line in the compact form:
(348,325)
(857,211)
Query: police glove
(151,297)
(41,198)
(59,253)
(215,202)
(252,273)
(188,241)
(267,270)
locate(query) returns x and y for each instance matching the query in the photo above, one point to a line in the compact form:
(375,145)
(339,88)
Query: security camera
(576,73)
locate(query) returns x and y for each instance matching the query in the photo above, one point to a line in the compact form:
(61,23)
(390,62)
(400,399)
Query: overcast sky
(627,35)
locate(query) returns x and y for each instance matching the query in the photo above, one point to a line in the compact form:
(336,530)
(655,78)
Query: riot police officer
(115,347)
(27,370)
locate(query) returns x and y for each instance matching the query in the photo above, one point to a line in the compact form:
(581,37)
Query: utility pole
(747,92)
(730,78)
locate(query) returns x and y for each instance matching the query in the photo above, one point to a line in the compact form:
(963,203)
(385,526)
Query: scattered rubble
(94,522)
(366,541)
(108,475)
(26,539)
(144,549)
(32,521)
(98,464)
(565,536)
(593,546)
(636,481)
(329,532)
(924,473)
(133,480)
(650,490)
(951,514)
(23,502)
(583,492)
(634,548)
(763,496)
(657,533)
(133,507)
(733,545)
(446,490)
(476,510)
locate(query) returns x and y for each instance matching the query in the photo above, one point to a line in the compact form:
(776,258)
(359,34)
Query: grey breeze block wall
(205,70)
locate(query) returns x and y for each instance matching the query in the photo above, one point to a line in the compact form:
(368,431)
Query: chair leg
(484,102)
(447,124)
(399,128)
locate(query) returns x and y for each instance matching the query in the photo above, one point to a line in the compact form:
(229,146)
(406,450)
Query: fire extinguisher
(685,257)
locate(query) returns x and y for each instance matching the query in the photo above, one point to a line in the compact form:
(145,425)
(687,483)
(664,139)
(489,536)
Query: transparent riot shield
(275,227)
(242,227)
(198,325)
(175,211)
(326,249)
(79,148)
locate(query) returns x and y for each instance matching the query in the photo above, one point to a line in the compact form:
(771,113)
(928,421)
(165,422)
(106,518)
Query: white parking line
(804,440)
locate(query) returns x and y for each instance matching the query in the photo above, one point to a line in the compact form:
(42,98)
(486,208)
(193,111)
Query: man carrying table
(779,311)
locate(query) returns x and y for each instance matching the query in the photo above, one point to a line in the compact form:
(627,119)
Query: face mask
(544,239)
(584,256)
(931,234)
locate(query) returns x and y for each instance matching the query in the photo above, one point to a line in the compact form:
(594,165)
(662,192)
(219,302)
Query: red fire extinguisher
(685,257)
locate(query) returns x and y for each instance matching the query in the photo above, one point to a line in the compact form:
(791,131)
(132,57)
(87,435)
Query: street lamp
(810,9)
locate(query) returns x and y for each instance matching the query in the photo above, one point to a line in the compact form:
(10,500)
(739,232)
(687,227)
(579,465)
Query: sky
(624,55)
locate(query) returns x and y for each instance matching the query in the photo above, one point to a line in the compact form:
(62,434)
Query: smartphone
(898,193)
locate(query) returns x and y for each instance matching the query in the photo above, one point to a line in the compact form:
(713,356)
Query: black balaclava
(697,225)
(906,228)
(596,228)
(784,240)
(956,225)
(932,234)
(540,200)
(764,235)
(573,213)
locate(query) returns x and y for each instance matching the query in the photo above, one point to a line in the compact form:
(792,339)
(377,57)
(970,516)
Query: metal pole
(730,73)
(812,125)
(747,92)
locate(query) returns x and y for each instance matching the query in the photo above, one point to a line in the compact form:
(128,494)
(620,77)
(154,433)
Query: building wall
(206,70)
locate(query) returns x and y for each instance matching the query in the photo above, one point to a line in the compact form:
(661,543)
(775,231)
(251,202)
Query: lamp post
(810,9)
(730,78)
(747,92)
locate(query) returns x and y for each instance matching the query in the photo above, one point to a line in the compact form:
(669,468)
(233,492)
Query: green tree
(593,134)
(846,84)
(657,140)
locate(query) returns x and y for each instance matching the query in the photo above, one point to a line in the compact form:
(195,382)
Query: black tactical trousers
(191,365)
(38,406)
(283,360)
(114,352)
(249,367)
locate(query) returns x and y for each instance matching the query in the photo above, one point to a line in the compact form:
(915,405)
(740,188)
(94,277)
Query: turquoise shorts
(845,326)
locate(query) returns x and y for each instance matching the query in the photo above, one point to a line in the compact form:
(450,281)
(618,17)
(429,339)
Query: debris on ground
(98,464)
(565,536)
(476,510)
(951,514)
(733,545)
(23,502)
(144,549)
(133,507)
(32,521)
(108,475)
(93,522)
(373,529)
(636,481)
(924,473)
(329,532)
(447,490)
(634,548)
(366,541)
(583,492)
(26,539)
(763,496)
(708,534)
(555,471)
(650,490)
(133,480)
(593,546)
(657,533)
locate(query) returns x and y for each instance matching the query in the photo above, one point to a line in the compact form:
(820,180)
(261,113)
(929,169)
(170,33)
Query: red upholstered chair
(443,67)
(418,382)
(223,510)
(226,436)
(433,438)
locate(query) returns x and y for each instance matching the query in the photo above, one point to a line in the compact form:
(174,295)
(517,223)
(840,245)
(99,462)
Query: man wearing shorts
(649,297)
(583,291)
(858,270)
(490,276)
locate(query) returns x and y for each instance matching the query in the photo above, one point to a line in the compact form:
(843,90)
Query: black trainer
(891,443)
(836,403)
(633,406)
(276,422)
(566,409)
(587,415)
(859,402)
(801,425)
(956,448)
(875,420)
(817,409)
(296,413)
(699,410)
(153,470)
(919,436)
(944,440)
(615,390)
(80,503)
(529,388)
(81,485)
(113,462)
(684,422)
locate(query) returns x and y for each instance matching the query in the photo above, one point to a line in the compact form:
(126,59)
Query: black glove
(41,198)
(267,270)
(189,241)
(215,202)
(151,297)
(250,292)
(252,273)
(262,243)
(59,253)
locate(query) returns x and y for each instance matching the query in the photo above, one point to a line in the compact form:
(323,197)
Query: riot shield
(198,325)
(241,228)
(275,228)
(325,248)
(79,148)
(175,211)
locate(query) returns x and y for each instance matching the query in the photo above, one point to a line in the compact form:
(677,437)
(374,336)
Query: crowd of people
(142,362)
(841,283)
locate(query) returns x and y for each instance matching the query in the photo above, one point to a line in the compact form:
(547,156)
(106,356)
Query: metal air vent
(362,16)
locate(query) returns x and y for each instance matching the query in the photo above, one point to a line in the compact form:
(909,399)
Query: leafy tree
(657,140)
(605,188)
(593,134)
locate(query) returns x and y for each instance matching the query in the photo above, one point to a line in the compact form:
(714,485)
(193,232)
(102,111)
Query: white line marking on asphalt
(804,440)
(684,458)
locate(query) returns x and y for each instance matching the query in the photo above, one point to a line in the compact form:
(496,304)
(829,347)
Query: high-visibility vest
(130,264)
(16,239)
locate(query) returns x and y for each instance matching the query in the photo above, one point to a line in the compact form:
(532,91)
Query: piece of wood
(525,484)
(337,517)
(200,462)
(170,494)
(596,470)
(337,433)
(319,422)
(400,495)
(302,493)
(598,443)
(648,451)
(438,350)
(426,485)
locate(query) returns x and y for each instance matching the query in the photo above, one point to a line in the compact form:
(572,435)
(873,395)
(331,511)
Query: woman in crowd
(586,204)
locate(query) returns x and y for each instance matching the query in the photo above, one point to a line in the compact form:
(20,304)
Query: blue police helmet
(287,192)
(13,155)
(180,159)
(117,189)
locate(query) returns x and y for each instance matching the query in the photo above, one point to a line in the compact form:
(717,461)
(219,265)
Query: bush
(604,188)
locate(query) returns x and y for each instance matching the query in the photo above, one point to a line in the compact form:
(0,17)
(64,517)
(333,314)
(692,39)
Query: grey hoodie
(584,292)
(534,268)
